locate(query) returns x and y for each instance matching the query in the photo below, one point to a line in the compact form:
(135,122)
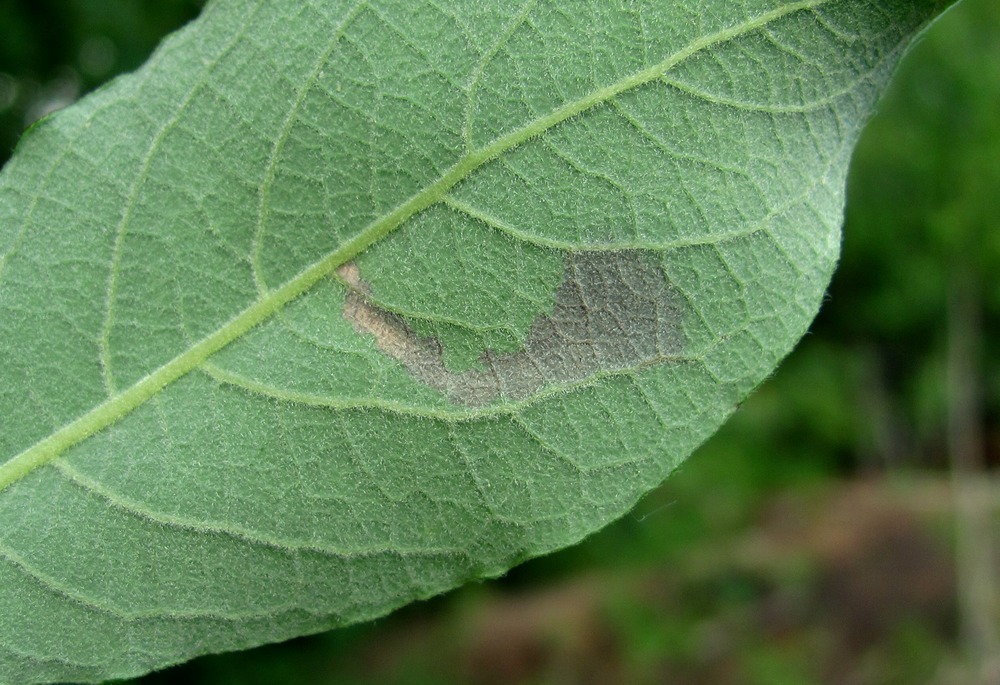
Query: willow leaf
(332,306)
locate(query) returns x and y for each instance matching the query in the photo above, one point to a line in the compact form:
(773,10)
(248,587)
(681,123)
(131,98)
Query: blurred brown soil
(827,586)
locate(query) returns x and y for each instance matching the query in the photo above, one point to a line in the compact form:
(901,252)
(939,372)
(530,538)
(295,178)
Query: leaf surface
(333,306)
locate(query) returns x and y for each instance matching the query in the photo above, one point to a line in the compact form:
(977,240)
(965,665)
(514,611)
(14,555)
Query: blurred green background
(815,538)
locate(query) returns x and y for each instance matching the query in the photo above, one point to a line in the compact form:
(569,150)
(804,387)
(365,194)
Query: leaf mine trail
(613,311)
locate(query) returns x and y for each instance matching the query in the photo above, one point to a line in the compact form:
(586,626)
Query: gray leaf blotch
(613,311)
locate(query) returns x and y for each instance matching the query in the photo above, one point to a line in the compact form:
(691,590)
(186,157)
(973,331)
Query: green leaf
(333,306)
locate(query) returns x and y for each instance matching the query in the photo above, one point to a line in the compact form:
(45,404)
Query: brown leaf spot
(613,311)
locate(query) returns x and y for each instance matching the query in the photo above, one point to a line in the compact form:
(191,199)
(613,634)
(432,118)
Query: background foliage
(810,540)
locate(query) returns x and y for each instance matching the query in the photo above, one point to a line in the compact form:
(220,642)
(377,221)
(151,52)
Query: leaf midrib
(120,405)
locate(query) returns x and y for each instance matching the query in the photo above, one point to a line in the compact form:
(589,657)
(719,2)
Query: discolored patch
(613,311)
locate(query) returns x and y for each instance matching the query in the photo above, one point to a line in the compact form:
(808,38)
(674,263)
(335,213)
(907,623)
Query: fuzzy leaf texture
(333,306)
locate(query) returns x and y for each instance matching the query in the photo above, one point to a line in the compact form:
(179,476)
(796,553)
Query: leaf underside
(333,306)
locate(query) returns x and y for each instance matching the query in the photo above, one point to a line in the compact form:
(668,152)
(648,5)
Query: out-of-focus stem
(975,508)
